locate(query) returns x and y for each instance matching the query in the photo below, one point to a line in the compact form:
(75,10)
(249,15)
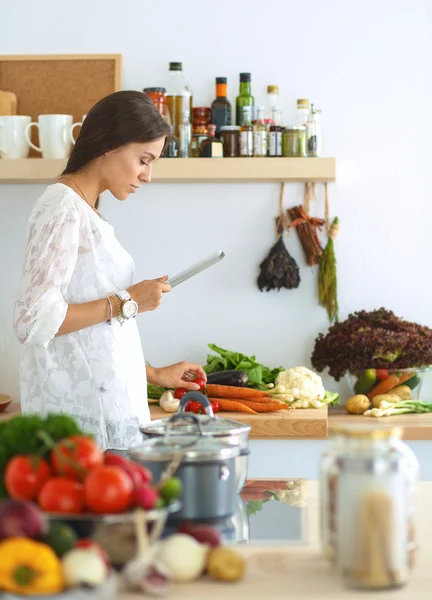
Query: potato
(403,391)
(357,405)
(376,400)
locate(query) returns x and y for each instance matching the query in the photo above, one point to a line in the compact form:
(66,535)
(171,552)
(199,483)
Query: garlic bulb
(184,557)
(168,403)
(83,567)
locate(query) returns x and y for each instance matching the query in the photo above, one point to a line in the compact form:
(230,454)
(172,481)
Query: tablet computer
(196,268)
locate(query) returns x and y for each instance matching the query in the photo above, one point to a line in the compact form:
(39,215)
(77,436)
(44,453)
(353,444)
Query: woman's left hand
(181,374)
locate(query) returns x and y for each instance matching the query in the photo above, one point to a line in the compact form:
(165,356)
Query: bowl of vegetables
(406,384)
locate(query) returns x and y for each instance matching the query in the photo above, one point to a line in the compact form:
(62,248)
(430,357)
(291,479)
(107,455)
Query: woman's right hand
(148,293)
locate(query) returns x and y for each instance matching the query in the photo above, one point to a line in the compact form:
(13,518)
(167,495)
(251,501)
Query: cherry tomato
(382,374)
(25,475)
(215,406)
(108,490)
(200,382)
(87,544)
(62,495)
(179,393)
(194,407)
(79,450)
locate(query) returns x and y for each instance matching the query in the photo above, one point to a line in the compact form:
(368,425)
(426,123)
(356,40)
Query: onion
(21,519)
(183,556)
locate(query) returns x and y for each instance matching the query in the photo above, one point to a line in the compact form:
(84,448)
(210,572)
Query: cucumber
(365,382)
(413,381)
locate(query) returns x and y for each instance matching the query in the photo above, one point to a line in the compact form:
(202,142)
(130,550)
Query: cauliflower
(302,384)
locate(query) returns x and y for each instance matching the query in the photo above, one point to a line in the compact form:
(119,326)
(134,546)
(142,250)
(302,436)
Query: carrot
(255,406)
(388,384)
(232,405)
(232,391)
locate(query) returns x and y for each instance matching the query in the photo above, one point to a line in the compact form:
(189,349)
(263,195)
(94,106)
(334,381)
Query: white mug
(54,135)
(13,141)
(77,124)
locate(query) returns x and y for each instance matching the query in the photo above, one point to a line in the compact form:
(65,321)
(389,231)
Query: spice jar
(230,136)
(158,96)
(201,117)
(294,141)
(199,134)
(372,500)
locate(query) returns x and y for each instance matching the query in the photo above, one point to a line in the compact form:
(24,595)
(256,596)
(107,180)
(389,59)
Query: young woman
(75,310)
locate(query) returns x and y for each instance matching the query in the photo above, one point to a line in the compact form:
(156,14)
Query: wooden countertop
(297,424)
(282,572)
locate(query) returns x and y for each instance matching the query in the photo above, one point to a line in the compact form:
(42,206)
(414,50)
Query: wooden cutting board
(8,103)
(309,423)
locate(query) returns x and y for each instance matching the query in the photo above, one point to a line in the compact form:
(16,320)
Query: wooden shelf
(198,170)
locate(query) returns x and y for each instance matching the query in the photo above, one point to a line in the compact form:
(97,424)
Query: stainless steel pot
(207,469)
(223,430)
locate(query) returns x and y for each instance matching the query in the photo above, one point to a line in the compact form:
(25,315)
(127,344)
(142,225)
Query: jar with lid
(201,117)
(158,96)
(199,134)
(230,136)
(294,141)
(372,498)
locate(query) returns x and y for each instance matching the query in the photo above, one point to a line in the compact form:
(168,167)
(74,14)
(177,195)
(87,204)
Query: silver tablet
(196,268)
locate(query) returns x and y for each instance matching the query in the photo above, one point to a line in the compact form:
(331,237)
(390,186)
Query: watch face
(130,309)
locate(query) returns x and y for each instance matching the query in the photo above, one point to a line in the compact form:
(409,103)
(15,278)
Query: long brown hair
(118,119)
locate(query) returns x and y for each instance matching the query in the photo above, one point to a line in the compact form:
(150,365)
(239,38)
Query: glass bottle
(221,106)
(276,132)
(246,132)
(302,111)
(171,148)
(185,135)
(179,95)
(272,99)
(260,134)
(199,134)
(158,96)
(245,98)
(211,147)
(314,133)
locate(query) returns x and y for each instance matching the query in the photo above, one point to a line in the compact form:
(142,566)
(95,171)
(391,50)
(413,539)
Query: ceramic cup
(54,135)
(13,141)
(77,124)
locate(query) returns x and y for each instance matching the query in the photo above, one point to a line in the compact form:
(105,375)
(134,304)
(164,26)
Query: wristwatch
(128,307)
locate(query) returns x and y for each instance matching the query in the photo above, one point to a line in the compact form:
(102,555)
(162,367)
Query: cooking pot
(220,429)
(206,469)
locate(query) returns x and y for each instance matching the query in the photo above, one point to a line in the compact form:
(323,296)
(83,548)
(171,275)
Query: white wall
(366,64)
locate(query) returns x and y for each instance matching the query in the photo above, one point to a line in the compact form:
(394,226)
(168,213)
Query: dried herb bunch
(376,339)
(307,231)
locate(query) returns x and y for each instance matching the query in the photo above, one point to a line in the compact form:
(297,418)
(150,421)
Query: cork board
(59,84)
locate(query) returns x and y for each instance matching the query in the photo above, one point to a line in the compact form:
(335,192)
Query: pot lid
(217,427)
(196,448)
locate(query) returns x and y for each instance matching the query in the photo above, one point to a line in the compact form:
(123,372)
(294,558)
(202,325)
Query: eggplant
(236,378)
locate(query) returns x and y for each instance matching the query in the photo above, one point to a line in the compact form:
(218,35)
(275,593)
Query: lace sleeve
(51,255)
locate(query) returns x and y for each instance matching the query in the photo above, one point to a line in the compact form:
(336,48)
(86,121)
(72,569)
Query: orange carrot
(388,384)
(255,406)
(232,391)
(232,405)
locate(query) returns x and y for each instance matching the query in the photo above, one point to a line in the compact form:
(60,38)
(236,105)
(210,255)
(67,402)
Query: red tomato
(86,544)
(108,490)
(80,450)
(382,374)
(215,406)
(179,393)
(25,475)
(200,382)
(194,406)
(62,495)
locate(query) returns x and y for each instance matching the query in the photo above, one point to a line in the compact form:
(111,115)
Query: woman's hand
(148,293)
(181,374)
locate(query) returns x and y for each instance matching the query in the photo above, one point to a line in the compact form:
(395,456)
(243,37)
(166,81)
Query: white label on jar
(275,143)
(260,143)
(246,143)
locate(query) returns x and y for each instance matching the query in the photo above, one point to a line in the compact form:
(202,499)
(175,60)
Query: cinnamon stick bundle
(307,231)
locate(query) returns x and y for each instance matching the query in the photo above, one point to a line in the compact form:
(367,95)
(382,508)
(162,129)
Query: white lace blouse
(97,375)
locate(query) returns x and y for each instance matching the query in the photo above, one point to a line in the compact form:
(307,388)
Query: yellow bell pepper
(28,567)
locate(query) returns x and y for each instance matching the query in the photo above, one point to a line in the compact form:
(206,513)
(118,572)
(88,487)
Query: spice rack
(190,170)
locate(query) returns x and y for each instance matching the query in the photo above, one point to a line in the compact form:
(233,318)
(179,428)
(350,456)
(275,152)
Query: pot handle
(203,400)
(182,416)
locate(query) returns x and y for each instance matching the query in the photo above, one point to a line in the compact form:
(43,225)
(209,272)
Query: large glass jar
(294,141)
(372,499)
(201,117)
(158,96)
(230,136)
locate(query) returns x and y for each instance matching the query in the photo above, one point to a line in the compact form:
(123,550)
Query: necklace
(80,191)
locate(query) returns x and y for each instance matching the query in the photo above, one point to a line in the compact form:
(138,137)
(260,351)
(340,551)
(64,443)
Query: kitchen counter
(298,424)
(296,569)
